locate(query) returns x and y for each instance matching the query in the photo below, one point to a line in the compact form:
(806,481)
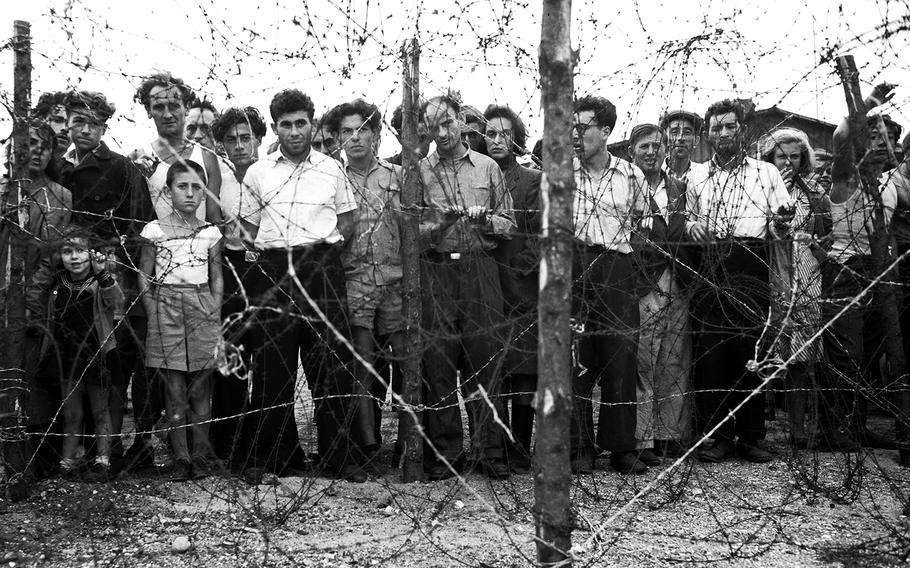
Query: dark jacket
(665,244)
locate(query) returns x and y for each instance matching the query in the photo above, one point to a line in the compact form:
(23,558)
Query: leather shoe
(439,472)
(722,450)
(904,460)
(583,464)
(353,473)
(648,457)
(869,439)
(495,468)
(750,451)
(627,463)
(836,440)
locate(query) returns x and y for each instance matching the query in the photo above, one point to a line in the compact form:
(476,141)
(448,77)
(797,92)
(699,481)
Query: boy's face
(75,255)
(186,192)
(40,154)
(86,129)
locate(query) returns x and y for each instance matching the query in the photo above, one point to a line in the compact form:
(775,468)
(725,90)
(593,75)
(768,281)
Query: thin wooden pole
(554,389)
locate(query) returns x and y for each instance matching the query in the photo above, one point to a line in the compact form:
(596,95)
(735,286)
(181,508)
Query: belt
(434,256)
(253,256)
(184,286)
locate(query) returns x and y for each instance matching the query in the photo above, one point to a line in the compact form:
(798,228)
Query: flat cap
(696,120)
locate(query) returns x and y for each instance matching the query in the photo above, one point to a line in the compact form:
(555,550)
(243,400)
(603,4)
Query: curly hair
(44,133)
(91,101)
(519,131)
(725,106)
(604,110)
(163,79)
(47,102)
(368,112)
(291,100)
(781,136)
(236,115)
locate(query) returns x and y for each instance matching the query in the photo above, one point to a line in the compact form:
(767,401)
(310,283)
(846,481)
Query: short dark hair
(44,132)
(894,129)
(236,115)
(46,103)
(450,99)
(91,101)
(368,112)
(288,101)
(79,231)
(724,107)
(182,167)
(604,110)
(166,80)
(519,132)
(397,119)
(641,130)
(203,104)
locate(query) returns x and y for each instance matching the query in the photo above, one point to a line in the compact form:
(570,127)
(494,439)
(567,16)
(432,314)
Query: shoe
(869,439)
(181,471)
(139,456)
(669,449)
(583,464)
(495,468)
(353,473)
(371,465)
(798,441)
(722,450)
(253,475)
(97,473)
(750,451)
(69,474)
(904,460)
(627,463)
(203,467)
(836,440)
(648,457)
(439,472)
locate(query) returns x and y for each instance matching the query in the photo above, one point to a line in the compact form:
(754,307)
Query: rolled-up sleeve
(502,218)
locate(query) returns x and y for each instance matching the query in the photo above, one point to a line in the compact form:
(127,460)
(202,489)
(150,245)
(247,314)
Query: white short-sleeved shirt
(181,260)
(295,204)
(231,190)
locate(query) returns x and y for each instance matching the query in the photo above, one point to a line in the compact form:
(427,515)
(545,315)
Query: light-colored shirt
(852,223)
(607,207)
(158,180)
(231,190)
(375,254)
(295,204)
(470,180)
(738,202)
(183,259)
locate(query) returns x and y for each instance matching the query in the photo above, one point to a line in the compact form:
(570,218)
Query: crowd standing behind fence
(677,266)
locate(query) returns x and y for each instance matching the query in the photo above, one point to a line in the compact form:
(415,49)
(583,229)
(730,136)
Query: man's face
(788,155)
(357,138)
(166,108)
(86,129)
(56,119)
(473,134)
(724,133)
(295,133)
(75,257)
(877,145)
(682,138)
(588,138)
(198,127)
(39,154)
(444,125)
(186,192)
(500,138)
(241,146)
(324,141)
(648,153)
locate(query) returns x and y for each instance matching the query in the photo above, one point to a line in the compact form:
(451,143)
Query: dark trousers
(463,321)
(853,342)
(283,330)
(729,310)
(230,393)
(606,303)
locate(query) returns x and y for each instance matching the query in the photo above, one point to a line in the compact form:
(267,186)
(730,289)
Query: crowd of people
(201,274)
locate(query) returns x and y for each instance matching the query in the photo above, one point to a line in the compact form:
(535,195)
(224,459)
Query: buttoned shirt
(295,204)
(467,181)
(607,206)
(231,190)
(738,202)
(375,254)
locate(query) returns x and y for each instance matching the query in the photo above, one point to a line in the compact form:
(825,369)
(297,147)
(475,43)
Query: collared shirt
(470,180)
(375,254)
(738,202)
(608,206)
(295,204)
(231,190)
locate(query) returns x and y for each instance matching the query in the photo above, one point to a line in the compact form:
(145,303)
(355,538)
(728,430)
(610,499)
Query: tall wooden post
(408,428)
(12,290)
(879,243)
(554,389)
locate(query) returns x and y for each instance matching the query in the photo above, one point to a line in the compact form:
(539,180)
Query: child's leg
(201,412)
(73,393)
(175,401)
(98,396)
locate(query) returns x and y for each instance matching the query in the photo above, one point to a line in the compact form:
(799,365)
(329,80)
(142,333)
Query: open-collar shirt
(375,253)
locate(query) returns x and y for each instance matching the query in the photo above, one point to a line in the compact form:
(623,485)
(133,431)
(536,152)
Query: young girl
(181,276)
(79,346)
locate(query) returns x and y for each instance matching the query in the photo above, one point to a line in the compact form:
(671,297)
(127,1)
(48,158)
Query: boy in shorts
(180,274)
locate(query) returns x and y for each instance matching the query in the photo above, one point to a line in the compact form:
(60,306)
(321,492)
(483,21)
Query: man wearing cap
(682,129)
(737,206)
(665,342)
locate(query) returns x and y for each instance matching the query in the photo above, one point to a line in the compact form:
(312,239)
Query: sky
(645,56)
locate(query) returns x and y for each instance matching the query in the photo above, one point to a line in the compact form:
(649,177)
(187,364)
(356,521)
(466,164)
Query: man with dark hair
(372,262)
(423,135)
(683,131)
(610,199)
(239,131)
(51,108)
(166,99)
(297,209)
(324,140)
(738,207)
(468,215)
(473,132)
(200,116)
(665,342)
(518,274)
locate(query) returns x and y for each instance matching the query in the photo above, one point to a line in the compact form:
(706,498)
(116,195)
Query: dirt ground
(806,510)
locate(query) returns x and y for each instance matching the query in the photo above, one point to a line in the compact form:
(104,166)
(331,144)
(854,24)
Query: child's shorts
(183,329)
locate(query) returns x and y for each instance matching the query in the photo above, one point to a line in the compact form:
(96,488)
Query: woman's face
(788,154)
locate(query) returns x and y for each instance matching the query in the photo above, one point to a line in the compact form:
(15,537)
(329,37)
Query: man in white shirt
(737,207)
(299,207)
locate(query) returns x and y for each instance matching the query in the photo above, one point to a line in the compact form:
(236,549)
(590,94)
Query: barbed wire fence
(823,507)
